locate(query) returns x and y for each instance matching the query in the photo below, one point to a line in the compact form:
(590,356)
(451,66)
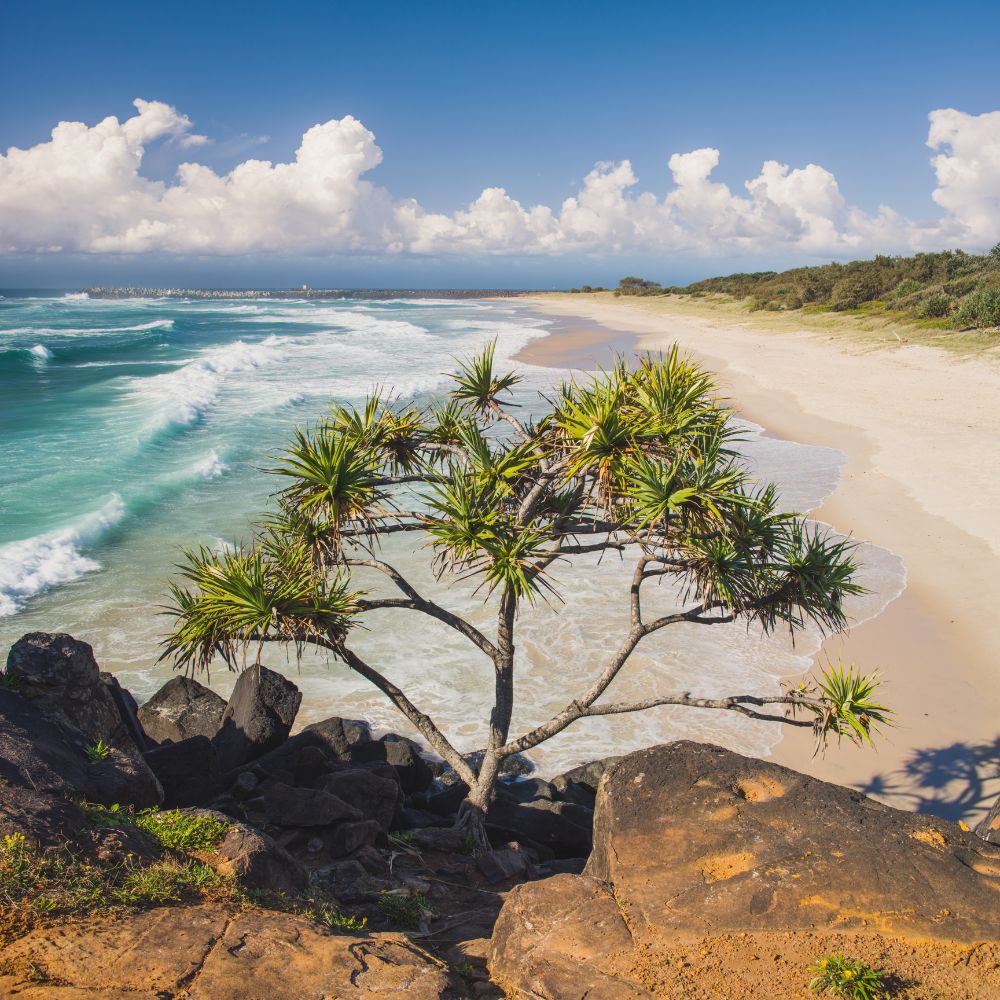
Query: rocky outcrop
(207,953)
(188,771)
(257,718)
(46,754)
(697,842)
(60,677)
(181,709)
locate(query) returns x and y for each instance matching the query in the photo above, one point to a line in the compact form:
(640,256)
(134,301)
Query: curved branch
(416,602)
(734,703)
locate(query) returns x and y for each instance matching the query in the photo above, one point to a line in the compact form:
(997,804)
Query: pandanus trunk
(471,819)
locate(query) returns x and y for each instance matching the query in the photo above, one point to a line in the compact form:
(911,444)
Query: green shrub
(838,976)
(935,306)
(402,909)
(980,309)
(171,828)
(181,831)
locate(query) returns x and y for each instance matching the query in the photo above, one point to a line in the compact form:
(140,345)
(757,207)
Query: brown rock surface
(706,862)
(206,953)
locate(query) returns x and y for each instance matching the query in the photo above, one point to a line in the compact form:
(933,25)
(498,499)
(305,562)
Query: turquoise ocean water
(131,427)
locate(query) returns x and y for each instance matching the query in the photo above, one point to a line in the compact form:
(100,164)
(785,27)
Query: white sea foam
(209,467)
(33,565)
(180,398)
(41,352)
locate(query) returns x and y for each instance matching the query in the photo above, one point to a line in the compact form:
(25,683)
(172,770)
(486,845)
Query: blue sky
(527,97)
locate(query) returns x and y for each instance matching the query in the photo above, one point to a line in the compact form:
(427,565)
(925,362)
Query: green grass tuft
(839,976)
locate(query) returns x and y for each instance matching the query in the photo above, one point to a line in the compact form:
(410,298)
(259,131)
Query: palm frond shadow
(957,781)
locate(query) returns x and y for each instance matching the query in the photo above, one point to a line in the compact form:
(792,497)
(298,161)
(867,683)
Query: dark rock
(59,675)
(515,766)
(245,785)
(350,882)
(446,802)
(182,708)
(188,771)
(587,775)
(318,846)
(562,826)
(257,862)
(526,790)
(49,755)
(288,806)
(445,839)
(560,866)
(346,838)
(373,861)
(339,735)
(43,820)
(128,710)
(694,842)
(257,718)
(507,863)
(375,797)
(405,756)
(413,819)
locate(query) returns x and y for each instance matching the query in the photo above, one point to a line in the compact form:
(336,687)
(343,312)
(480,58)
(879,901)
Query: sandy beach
(920,428)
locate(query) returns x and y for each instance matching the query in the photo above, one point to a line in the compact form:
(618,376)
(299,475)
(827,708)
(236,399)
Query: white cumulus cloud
(83,191)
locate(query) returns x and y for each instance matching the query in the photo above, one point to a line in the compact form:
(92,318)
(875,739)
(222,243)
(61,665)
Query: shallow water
(131,427)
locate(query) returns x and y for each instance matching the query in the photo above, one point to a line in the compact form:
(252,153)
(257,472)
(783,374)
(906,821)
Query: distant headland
(304,293)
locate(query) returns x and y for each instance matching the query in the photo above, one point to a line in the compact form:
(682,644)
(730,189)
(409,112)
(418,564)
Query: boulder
(375,797)
(257,718)
(405,756)
(506,863)
(128,709)
(188,770)
(563,827)
(48,755)
(182,708)
(257,862)
(696,843)
(579,785)
(43,820)
(209,953)
(59,675)
(304,807)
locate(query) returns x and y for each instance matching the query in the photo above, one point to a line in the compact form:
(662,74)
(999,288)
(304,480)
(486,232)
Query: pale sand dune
(921,431)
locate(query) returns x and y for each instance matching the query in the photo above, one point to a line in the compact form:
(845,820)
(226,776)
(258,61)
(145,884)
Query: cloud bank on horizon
(83,192)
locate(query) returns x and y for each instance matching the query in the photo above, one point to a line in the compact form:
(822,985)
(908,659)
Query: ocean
(129,428)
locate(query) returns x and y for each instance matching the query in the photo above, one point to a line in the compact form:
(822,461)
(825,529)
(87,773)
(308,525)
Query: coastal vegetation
(946,290)
(638,464)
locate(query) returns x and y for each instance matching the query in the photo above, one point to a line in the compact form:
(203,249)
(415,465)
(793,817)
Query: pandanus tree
(636,462)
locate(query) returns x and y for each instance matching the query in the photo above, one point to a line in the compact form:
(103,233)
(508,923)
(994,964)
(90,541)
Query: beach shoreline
(918,427)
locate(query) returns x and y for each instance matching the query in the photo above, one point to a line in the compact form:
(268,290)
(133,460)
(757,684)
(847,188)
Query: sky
(538,144)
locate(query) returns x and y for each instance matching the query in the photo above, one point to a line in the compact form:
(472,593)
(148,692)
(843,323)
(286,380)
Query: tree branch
(734,703)
(416,602)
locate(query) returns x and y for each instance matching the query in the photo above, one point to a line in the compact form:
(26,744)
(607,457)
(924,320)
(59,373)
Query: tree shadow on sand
(959,781)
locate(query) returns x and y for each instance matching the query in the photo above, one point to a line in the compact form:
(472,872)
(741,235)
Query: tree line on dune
(950,290)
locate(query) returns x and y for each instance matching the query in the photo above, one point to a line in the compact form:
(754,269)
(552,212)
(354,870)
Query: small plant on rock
(839,976)
(97,751)
(404,909)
